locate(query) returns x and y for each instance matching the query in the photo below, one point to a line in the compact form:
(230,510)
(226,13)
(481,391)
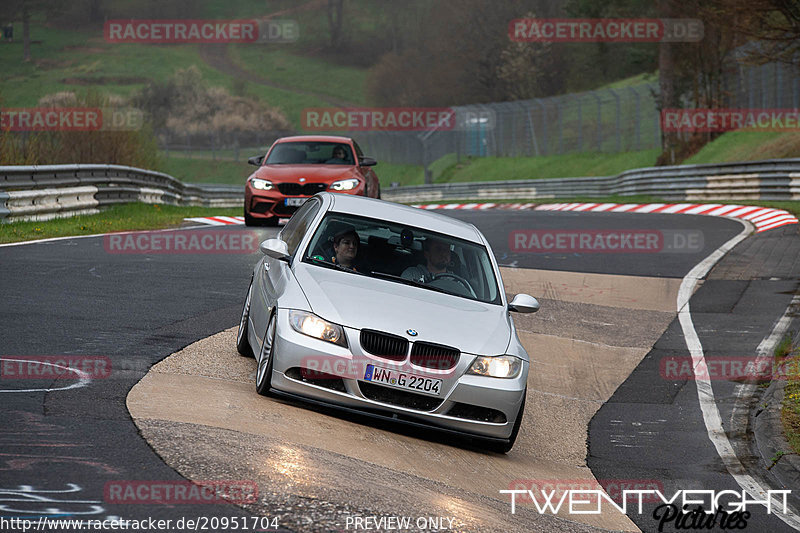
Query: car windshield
(311,153)
(403,254)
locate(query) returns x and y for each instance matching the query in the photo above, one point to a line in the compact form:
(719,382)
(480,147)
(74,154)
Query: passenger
(345,246)
(437,259)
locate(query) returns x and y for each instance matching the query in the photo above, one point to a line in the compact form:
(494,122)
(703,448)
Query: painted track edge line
(705,393)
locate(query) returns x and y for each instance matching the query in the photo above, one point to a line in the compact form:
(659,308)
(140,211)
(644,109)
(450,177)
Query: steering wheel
(456,277)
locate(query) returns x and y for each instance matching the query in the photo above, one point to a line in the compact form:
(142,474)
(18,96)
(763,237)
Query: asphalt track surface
(71,297)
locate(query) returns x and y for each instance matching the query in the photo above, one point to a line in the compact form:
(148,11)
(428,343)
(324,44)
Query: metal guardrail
(43,192)
(51,191)
(775,179)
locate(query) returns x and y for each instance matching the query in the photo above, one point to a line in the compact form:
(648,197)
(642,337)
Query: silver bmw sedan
(391,311)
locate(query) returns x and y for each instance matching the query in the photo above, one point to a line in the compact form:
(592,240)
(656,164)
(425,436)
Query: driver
(437,259)
(339,156)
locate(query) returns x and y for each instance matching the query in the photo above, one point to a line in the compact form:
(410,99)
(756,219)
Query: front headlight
(313,326)
(260,184)
(344,185)
(499,366)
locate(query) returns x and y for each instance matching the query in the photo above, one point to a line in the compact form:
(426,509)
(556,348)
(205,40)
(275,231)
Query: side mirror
(256,160)
(524,303)
(275,248)
(367,162)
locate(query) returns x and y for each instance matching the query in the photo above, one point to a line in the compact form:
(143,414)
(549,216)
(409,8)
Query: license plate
(294,202)
(401,380)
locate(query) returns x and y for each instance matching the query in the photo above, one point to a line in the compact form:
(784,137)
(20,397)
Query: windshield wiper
(407,281)
(334,265)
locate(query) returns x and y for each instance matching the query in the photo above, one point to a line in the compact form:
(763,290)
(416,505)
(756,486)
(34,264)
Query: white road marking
(83,377)
(54,239)
(705,393)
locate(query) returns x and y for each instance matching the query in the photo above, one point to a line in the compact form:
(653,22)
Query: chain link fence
(607,120)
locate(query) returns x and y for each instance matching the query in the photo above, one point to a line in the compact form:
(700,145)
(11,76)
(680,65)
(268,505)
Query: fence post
(580,124)
(617,124)
(599,120)
(637,123)
(543,122)
(560,105)
(653,88)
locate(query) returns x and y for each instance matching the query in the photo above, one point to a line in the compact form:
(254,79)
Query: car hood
(363,302)
(311,173)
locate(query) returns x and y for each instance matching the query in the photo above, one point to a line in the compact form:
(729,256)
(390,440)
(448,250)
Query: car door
(274,274)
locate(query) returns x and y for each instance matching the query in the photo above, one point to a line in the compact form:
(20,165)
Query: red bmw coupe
(296,168)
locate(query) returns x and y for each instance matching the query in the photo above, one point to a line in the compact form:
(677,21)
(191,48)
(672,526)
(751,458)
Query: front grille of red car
(301,189)
(429,355)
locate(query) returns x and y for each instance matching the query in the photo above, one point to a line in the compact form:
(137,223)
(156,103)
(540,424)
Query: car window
(311,153)
(400,253)
(297,226)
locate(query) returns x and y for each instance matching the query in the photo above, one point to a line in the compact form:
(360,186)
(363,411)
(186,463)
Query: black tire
(242,342)
(264,370)
(505,447)
(248,220)
(379,193)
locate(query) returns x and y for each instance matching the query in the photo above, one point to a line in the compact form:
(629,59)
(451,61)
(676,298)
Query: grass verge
(789,355)
(125,217)
(552,166)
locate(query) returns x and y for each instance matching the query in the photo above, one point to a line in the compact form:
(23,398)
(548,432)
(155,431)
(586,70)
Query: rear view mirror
(524,303)
(275,248)
(256,160)
(367,162)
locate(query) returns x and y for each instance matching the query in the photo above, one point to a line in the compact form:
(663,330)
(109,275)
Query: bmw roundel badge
(412,332)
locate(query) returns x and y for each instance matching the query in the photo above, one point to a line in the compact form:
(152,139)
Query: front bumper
(268,204)
(470,404)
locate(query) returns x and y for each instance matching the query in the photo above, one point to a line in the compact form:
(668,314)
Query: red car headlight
(262,185)
(344,185)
